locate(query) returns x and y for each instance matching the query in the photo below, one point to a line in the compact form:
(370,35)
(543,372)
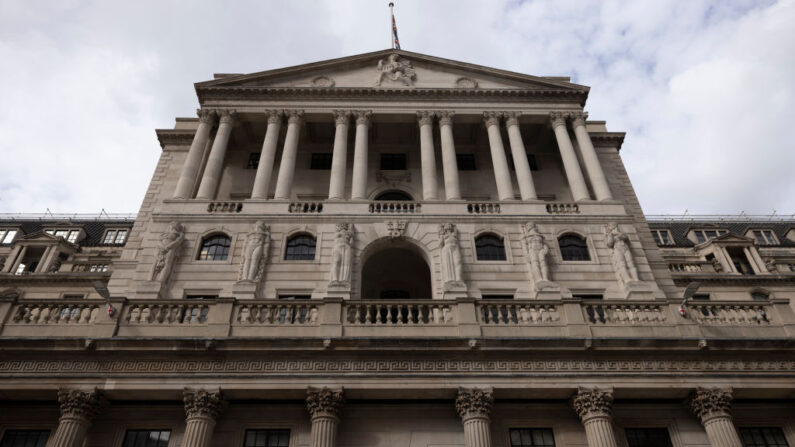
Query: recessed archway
(396,270)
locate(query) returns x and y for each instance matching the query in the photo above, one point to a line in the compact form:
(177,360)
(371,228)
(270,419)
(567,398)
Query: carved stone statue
(623,262)
(170,241)
(537,250)
(55,266)
(395,70)
(770,264)
(254,253)
(341,255)
(452,266)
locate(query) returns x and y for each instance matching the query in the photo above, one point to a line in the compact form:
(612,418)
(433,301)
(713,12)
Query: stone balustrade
(624,314)
(563,208)
(397,207)
(730,314)
(483,208)
(305,207)
(276,313)
(176,313)
(67,312)
(224,207)
(685,268)
(517,313)
(398,313)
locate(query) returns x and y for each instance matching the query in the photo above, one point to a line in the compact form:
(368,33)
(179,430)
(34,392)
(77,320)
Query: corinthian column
(474,406)
(589,157)
(78,409)
(449,163)
(202,408)
(284,183)
(339,156)
(712,408)
(523,175)
(595,409)
(427,156)
(265,167)
(215,162)
(570,164)
(187,179)
(324,407)
(359,187)
(501,173)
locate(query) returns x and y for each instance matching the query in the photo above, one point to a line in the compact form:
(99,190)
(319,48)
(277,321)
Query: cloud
(702,88)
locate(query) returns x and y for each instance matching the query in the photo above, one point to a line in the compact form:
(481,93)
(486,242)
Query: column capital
(274,116)
(82,404)
(228,116)
(709,403)
(591,403)
(578,118)
(424,117)
(491,118)
(363,117)
(203,403)
(445,118)
(558,119)
(512,118)
(474,403)
(324,402)
(206,115)
(294,116)
(342,117)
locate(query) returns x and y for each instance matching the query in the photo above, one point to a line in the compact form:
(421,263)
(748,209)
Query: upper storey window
(24,438)
(763,437)
(662,237)
(648,437)
(705,235)
(300,247)
(114,237)
(393,162)
(7,235)
(320,161)
(267,438)
(490,247)
(765,237)
(69,235)
(573,248)
(532,437)
(215,248)
(146,438)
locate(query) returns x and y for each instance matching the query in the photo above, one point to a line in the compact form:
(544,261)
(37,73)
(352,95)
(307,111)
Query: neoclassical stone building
(394,249)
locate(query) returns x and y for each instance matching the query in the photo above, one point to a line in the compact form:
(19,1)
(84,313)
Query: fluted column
(452,189)
(187,179)
(324,407)
(430,188)
(262,180)
(360,149)
(78,409)
(474,407)
(215,162)
(595,409)
(501,172)
(570,164)
(339,157)
(202,409)
(589,157)
(284,183)
(712,407)
(524,176)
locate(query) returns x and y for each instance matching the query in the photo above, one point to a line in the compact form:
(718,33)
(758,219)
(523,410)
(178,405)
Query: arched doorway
(394,196)
(396,271)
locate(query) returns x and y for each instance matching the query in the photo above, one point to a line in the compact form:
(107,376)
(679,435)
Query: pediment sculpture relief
(395,69)
(322,81)
(466,83)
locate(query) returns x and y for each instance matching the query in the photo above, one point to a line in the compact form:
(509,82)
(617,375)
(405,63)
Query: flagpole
(391,33)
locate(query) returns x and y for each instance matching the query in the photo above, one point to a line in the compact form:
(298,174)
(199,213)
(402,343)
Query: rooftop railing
(103,216)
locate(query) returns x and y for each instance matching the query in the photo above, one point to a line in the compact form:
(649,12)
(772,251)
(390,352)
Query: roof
(679,229)
(94,228)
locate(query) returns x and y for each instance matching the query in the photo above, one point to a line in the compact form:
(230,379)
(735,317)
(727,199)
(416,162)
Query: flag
(395,41)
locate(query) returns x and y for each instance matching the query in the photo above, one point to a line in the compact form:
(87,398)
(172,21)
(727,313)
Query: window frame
(592,258)
(141,428)
(4,234)
(294,235)
(511,428)
(656,235)
(698,240)
(655,427)
(208,235)
(494,234)
(114,239)
(767,240)
(4,432)
(763,427)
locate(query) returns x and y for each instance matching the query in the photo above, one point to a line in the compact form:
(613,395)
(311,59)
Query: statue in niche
(255,252)
(341,255)
(623,262)
(452,266)
(395,70)
(170,241)
(537,251)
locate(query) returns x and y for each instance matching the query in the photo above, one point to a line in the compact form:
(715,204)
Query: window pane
(648,437)
(109,236)
(120,237)
(665,237)
(700,236)
(300,248)
(146,438)
(73,236)
(656,236)
(25,438)
(573,248)
(9,236)
(490,248)
(267,438)
(532,437)
(215,248)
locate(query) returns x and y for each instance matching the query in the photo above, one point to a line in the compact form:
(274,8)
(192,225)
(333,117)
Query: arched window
(490,247)
(215,248)
(760,295)
(300,247)
(393,196)
(573,248)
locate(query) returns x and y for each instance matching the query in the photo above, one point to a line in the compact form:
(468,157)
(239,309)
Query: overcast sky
(705,90)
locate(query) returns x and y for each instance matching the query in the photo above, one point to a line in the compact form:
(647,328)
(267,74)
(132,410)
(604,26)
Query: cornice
(682,279)
(608,139)
(175,137)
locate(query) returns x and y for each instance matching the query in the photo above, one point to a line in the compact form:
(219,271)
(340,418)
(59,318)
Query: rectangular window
(267,438)
(321,161)
(73,296)
(62,233)
(763,437)
(648,437)
(496,296)
(146,438)
(705,235)
(532,437)
(393,162)
(121,236)
(73,236)
(25,438)
(662,237)
(294,297)
(114,237)
(465,162)
(7,236)
(701,297)
(765,237)
(588,296)
(253,160)
(110,235)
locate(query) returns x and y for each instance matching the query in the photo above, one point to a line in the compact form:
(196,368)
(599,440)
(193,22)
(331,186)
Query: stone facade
(395,249)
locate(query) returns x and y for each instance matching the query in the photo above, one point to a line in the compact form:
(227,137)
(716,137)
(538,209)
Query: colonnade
(203,408)
(210,177)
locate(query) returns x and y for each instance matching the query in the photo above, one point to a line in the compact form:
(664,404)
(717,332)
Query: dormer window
(7,235)
(67,234)
(705,235)
(115,237)
(662,237)
(764,237)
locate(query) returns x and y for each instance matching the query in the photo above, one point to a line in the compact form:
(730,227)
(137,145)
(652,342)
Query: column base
(245,289)
(455,289)
(339,289)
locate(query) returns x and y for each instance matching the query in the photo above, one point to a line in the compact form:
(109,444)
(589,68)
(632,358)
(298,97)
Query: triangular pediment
(393,69)
(728,239)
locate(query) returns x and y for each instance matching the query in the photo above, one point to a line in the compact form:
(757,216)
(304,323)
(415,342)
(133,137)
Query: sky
(704,89)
